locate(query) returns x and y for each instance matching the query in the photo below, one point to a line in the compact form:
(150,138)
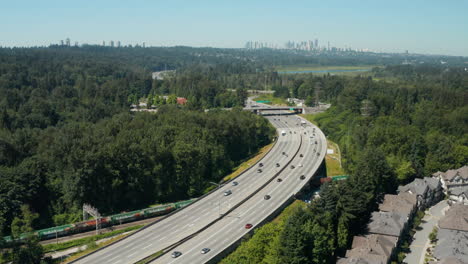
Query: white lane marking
(162,238)
(148,246)
(132,254)
(110,260)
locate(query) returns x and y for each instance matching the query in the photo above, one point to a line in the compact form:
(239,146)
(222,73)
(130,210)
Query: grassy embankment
(332,161)
(92,246)
(264,237)
(274,100)
(246,164)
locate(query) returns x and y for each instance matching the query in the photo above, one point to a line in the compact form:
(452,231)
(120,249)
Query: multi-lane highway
(232,227)
(214,206)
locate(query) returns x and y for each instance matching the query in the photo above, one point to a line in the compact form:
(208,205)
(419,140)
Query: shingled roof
(452,244)
(456,218)
(387,223)
(403,203)
(372,247)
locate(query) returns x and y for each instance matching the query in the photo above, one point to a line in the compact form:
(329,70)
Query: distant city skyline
(425,27)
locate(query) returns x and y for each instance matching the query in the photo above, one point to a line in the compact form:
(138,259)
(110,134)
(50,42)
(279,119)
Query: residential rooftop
(452,244)
(387,223)
(372,247)
(456,218)
(403,203)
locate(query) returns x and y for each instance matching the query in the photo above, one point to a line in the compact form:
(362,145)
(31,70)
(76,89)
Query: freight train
(65,230)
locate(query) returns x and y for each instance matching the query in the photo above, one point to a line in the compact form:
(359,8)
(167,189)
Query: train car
(126,217)
(56,231)
(184,203)
(64,230)
(158,210)
(89,225)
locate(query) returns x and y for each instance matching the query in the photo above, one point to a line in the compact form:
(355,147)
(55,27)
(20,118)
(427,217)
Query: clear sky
(419,26)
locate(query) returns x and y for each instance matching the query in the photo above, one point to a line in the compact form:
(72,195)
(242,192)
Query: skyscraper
(118,43)
(68,42)
(316,43)
(112,43)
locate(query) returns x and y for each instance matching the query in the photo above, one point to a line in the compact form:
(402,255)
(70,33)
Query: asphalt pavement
(231,228)
(195,217)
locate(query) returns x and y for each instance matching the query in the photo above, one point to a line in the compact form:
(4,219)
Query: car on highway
(302,177)
(284,153)
(259,171)
(205,250)
(300,165)
(260,164)
(316,142)
(292,167)
(279,180)
(300,155)
(228,192)
(267,197)
(318,153)
(277,164)
(234,183)
(176,254)
(248,226)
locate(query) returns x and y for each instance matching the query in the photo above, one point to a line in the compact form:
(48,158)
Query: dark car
(234,183)
(176,254)
(248,226)
(259,170)
(318,153)
(260,164)
(284,153)
(300,155)
(292,167)
(279,180)
(267,197)
(302,177)
(316,142)
(205,250)
(277,164)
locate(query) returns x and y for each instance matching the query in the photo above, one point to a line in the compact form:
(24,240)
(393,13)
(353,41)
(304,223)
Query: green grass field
(321,68)
(270,97)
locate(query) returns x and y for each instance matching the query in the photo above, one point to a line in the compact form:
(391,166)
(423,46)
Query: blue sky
(430,26)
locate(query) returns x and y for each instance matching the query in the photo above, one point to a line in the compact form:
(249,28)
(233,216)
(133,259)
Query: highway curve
(184,223)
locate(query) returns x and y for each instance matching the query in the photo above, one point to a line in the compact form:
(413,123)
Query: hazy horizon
(422,27)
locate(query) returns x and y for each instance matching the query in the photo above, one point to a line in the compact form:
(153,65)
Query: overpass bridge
(218,220)
(260,110)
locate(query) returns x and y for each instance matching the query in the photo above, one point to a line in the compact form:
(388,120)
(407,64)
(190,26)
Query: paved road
(193,218)
(232,227)
(421,237)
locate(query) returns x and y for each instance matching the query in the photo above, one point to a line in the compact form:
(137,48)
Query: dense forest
(390,132)
(67,136)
